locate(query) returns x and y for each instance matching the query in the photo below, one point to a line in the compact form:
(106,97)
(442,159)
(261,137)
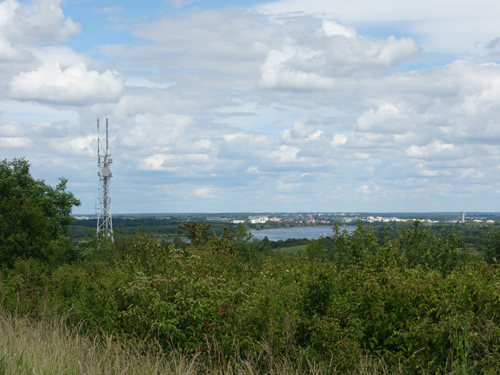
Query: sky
(252,106)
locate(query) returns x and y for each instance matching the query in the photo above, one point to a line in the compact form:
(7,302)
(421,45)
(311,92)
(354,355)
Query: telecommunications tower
(104,220)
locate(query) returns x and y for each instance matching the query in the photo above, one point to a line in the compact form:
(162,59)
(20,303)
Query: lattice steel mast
(104,219)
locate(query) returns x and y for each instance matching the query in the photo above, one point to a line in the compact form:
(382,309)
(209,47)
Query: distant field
(291,249)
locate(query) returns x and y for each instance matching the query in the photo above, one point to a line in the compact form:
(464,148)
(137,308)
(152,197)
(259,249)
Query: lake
(298,232)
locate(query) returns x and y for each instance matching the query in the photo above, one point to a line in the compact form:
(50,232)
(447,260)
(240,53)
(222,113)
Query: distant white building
(258,219)
(236,221)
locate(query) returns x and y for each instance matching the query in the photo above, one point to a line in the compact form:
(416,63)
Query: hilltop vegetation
(414,303)
(473,234)
(34,217)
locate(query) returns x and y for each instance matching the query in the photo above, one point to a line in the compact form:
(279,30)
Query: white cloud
(315,136)
(148,131)
(11,129)
(204,192)
(9,53)
(286,186)
(275,74)
(137,81)
(299,132)
(81,146)
(293,113)
(436,149)
(65,57)
(363,189)
(330,28)
(45,23)
(15,142)
(232,137)
(253,170)
(362,155)
(318,63)
(338,139)
(176,163)
(441,28)
(285,154)
(389,117)
(75,85)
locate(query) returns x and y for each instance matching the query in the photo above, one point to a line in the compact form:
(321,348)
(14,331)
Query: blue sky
(219,106)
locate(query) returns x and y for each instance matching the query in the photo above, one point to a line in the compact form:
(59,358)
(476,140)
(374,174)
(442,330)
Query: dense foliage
(413,300)
(331,305)
(34,216)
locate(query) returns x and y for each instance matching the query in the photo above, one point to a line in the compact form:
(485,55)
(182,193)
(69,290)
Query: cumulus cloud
(431,19)
(392,118)
(204,192)
(65,56)
(285,154)
(9,53)
(74,85)
(338,139)
(80,146)
(15,142)
(147,131)
(331,28)
(11,129)
(436,149)
(299,132)
(45,23)
(298,112)
(275,73)
(315,63)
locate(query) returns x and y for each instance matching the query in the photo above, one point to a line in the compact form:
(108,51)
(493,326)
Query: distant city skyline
(258,106)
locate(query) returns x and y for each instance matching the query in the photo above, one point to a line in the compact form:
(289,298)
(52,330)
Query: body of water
(298,232)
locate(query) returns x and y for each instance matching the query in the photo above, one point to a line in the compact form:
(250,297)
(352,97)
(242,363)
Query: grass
(50,347)
(290,250)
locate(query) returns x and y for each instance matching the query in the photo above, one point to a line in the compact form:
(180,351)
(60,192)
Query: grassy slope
(291,250)
(49,347)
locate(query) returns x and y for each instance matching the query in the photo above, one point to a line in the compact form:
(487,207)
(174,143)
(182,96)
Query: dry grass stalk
(49,346)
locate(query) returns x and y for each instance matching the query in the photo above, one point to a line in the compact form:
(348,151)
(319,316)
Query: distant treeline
(169,227)
(472,234)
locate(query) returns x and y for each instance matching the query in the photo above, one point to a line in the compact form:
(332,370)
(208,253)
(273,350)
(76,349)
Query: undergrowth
(219,305)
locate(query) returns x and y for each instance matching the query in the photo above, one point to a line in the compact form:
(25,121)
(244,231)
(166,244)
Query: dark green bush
(34,217)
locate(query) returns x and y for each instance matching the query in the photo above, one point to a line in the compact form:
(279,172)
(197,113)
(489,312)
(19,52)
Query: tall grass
(48,346)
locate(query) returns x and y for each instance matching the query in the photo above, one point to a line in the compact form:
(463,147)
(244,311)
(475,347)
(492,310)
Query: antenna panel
(106,172)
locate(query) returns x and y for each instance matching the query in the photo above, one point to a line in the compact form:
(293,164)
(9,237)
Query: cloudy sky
(242,105)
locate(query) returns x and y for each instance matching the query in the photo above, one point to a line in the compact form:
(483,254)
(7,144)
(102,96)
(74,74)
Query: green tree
(34,217)
(421,247)
(492,253)
(352,248)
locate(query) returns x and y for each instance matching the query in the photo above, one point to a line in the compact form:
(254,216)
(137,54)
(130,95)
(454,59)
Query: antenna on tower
(104,219)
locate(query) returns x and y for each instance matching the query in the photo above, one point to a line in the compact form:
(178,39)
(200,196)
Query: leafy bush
(410,301)
(492,253)
(34,217)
